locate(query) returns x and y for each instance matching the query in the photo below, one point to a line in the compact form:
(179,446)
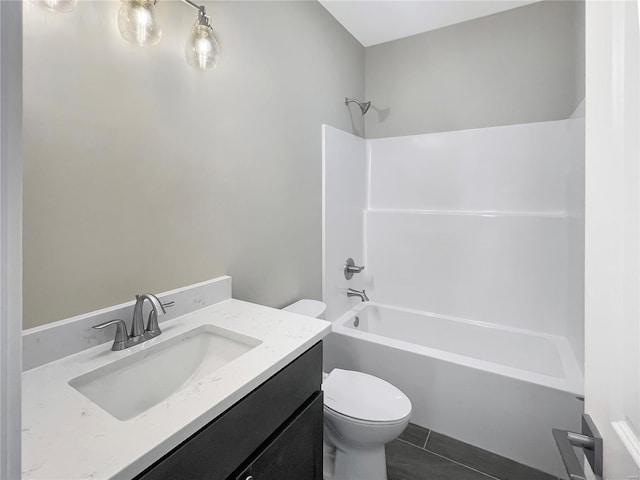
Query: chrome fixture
(138,24)
(589,440)
(364,107)
(153,330)
(122,339)
(357,293)
(137,324)
(138,333)
(350,268)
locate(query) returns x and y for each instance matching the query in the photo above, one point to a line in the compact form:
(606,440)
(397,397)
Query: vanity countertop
(67,436)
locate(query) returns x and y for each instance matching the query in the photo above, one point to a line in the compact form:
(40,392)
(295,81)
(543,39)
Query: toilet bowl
(361,414)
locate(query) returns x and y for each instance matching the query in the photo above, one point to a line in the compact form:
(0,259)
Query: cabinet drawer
(222,446)
(295,451)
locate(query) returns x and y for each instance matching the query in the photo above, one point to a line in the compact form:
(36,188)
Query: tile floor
(421,454)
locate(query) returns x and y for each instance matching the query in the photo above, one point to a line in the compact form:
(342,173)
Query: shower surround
(482,228)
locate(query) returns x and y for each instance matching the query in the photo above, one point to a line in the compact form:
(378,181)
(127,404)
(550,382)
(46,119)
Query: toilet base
(355,464)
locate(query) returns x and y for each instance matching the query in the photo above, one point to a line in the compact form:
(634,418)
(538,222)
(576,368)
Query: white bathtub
(498,388)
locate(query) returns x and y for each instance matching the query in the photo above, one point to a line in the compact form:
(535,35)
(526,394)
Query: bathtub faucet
(357,293)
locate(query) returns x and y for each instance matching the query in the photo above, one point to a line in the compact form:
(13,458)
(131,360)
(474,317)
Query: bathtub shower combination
(471,243)
(500,389)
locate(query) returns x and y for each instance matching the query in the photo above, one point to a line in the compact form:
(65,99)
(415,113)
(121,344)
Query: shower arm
(364,107)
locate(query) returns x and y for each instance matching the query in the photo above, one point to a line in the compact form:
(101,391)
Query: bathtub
(498,388)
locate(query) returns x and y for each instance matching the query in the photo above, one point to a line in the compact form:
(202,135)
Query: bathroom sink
(129,386)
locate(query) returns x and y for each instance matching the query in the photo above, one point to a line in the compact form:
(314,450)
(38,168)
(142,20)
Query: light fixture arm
(194,5)
(203,19)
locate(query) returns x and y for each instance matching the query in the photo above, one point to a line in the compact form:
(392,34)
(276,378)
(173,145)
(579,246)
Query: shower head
(364,107)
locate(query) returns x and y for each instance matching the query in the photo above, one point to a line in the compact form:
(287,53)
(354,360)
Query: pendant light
(60,6)
(201,49)
(138,22)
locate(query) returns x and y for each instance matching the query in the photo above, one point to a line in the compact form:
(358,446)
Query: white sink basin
(131,385)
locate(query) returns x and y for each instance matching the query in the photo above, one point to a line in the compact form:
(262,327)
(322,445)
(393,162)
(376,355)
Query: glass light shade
(202,48)
(138,22)
(62,6)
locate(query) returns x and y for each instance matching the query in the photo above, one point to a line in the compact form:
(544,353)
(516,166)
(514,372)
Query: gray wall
(10,238)
(519,66)
(579,44)
(142,174)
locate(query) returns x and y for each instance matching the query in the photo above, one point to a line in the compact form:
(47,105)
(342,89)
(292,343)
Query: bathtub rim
(572,382)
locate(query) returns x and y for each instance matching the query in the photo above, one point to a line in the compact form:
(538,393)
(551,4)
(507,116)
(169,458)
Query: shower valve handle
(350,268)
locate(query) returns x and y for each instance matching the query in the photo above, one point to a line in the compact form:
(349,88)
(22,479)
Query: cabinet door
(224,446)
(295,453)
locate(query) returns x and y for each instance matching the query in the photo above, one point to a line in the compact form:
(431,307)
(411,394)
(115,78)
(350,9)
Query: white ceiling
(379,21)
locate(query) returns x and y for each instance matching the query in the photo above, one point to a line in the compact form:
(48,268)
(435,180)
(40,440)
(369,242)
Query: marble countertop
(66,436)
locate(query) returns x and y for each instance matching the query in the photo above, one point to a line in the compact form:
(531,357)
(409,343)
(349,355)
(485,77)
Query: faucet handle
(119,343)
(350,268)
(153,329)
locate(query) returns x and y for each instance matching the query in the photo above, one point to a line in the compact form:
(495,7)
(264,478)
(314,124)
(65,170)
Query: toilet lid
(309,308)
(365,397)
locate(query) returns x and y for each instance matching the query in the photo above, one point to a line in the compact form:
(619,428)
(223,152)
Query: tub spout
(357,293)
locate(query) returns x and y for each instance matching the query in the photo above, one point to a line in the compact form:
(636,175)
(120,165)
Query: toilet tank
(309,308)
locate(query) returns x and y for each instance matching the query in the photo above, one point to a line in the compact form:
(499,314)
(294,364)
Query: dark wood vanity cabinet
(294,453)
(275,432)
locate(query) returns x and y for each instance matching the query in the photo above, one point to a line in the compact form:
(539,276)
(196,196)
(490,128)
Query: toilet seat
(364,397)
(360,421)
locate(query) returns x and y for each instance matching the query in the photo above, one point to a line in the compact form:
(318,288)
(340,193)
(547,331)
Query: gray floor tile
(479,459)
(415,435)
(406,462)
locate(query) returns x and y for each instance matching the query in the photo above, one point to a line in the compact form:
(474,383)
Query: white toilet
(361,414)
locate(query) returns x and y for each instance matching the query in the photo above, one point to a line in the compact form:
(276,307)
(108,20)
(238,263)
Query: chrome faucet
(137,324)
(357,293)
(139,333)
